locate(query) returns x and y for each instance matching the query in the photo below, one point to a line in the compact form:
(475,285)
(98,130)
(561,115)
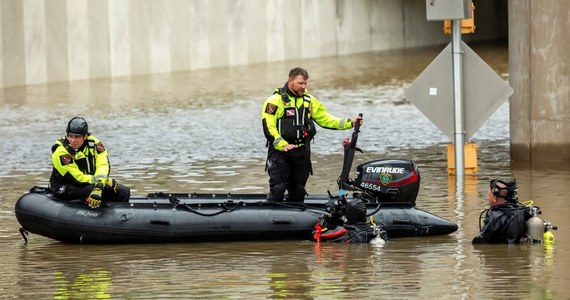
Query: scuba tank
(535,227)
(537,230)
(548,236)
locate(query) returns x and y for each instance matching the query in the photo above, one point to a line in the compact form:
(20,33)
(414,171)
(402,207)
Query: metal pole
(459,131)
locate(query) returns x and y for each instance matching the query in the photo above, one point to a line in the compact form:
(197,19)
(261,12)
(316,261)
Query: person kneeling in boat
(81,168)
(346,223)
(505,219)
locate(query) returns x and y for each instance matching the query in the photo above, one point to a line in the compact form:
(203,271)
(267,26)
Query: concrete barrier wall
(59,40)
(539,67)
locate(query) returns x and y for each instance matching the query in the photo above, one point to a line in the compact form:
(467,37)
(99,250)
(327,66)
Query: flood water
(200,132)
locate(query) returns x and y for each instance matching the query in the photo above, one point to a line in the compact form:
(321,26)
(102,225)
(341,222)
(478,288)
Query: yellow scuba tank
(535,227)
(548,236)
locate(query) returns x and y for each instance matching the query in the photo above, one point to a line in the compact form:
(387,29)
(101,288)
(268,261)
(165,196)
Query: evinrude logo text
(385,170)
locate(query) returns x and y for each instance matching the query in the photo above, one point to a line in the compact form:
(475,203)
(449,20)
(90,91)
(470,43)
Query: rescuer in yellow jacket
(81,168)
(288,118)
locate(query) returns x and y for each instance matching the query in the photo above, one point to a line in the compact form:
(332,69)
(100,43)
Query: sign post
(459,136)
(456,82)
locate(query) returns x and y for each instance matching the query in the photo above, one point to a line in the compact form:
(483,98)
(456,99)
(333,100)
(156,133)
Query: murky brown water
(200,132)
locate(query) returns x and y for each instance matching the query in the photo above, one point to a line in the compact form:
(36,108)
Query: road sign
(484,91)
(439,10)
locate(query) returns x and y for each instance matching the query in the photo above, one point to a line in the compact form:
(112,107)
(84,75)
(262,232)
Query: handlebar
(349,156)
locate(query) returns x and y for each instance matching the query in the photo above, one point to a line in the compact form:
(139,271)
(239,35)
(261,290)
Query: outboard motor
(385,180)
(389,180)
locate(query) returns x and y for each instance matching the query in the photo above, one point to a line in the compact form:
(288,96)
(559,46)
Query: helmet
(77,125)
(508,192)
(355,212)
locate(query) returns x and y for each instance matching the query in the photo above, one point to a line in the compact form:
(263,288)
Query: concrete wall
(61,40)
(539,63)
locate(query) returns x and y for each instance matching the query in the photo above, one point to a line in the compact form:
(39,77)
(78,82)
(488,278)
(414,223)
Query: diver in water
(346,222)
(505,219)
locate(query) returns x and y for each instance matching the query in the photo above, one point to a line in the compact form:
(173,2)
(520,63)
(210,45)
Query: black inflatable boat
(388,187)
(203,217)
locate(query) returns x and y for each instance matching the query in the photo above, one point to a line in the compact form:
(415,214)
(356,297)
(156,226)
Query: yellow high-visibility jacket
(89,164)
(291,121)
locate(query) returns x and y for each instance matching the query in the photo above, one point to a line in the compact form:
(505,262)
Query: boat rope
(376,210)
(301,206)
(24,232)
(175,202)
(224,210)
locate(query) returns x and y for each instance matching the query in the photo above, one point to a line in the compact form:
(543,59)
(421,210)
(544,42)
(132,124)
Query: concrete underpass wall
(59,40)
(539,67)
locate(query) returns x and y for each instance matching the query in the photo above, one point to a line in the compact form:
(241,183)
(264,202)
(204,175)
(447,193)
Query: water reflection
(93,284)
(200,132)
(513,269)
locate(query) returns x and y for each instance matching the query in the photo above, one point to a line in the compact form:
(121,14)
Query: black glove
(112,183)
(324,220)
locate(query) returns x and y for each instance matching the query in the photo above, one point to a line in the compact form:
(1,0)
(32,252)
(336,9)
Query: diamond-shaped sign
(483,91)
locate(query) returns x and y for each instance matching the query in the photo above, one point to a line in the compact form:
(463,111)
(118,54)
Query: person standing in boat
(81,168)
(505,219)
(288,118)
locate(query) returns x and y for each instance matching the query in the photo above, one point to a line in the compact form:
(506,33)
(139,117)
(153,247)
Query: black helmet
(508,192)
(355,212)
(77,125)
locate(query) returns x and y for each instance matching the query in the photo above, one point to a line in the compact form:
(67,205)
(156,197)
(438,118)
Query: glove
(94,199)
(112,183)
(324,219)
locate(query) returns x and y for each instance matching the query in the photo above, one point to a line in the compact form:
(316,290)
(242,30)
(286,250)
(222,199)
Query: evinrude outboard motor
(385,180)
(389,180)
